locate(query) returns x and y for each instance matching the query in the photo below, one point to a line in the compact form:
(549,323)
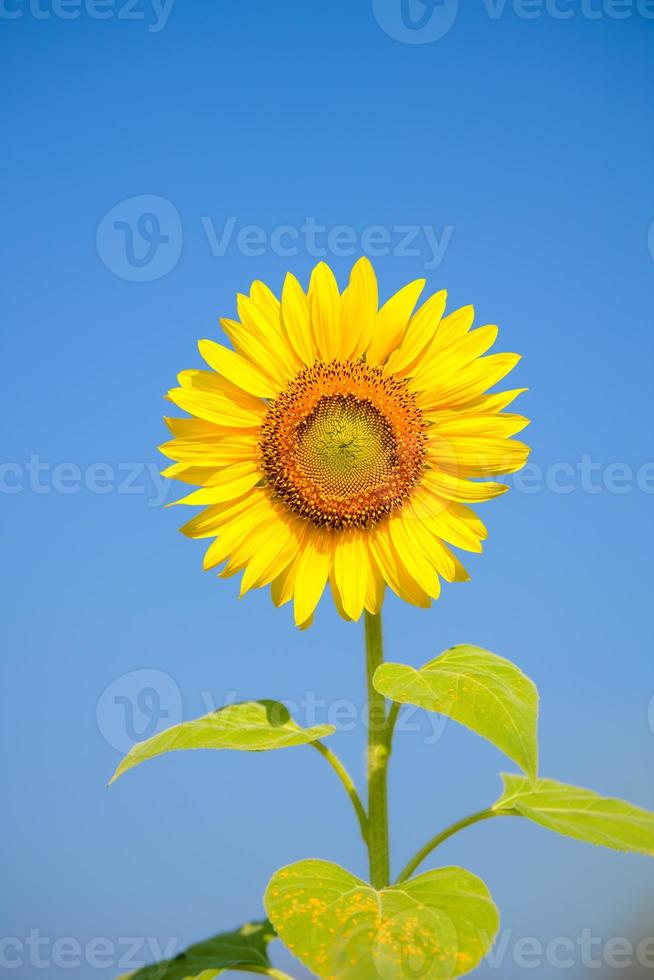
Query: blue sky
(505,156)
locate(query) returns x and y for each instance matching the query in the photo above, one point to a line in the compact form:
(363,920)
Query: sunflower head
(339,441)
(343,444)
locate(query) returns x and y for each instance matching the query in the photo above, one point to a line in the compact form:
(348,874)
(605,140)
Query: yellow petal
(234,534)
(271,307)
(351,565)
(452,359)
(267,354)
(325,306)
(407,547)
(464,491)
(392,321)
(222,389)
(419,334)
(336,596)
(211,408)
(230,568)
(312,572)
(452,522)
(202,476)
(392,569)
(281,588)
(297,320)
(429,545)
(376,586)
(213,452)
(278,352)
(272,552)
(266,300)
(193,428)
(359,305)
(497,402)
(454,326)
(465,424)
(472,456)
(237,369)
(463,386)
(205,524)
(187,473)
(231,482)
(216,401)
(209,522)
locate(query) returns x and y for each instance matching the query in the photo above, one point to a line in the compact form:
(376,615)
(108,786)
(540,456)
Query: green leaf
(242,949)
(436,926)
(252,726)
(580,813)
(482,691)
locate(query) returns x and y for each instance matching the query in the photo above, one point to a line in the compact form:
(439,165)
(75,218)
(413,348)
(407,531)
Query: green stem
(444,835)
(378,756)
(348,783)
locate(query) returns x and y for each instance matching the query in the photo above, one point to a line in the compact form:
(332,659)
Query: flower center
(343,444)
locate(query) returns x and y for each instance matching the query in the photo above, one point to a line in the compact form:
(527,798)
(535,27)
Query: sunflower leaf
(436,926)
(579,813)
(243,948)
(251,726)
(480,690)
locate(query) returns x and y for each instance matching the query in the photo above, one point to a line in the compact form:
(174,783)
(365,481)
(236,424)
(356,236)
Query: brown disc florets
(343,444)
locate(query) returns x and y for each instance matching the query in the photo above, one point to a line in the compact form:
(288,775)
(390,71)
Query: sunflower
(336,441)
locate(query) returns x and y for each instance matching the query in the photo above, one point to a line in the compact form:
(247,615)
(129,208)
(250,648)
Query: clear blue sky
(525,148)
